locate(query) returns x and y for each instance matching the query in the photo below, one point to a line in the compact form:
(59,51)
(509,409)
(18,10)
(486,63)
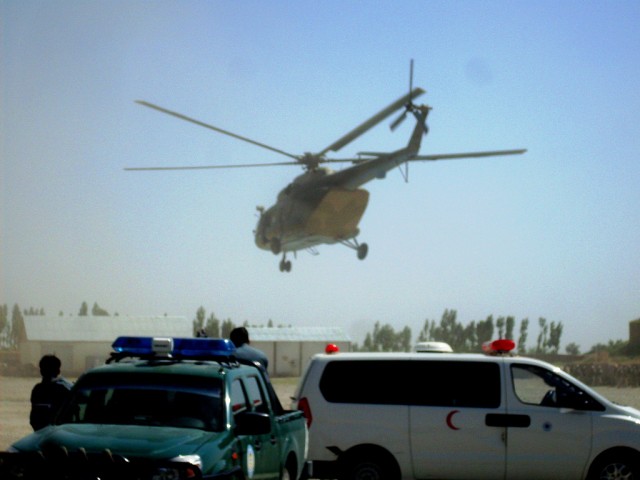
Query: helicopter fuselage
(311,212)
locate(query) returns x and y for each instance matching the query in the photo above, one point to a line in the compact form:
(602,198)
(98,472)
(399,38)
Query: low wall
(606,374)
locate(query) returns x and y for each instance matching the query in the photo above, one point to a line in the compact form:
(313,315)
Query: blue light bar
(182,347)
(134,345)
(203,347)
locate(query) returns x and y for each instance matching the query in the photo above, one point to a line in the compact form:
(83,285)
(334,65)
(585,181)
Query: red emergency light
(500,346)
(331,348)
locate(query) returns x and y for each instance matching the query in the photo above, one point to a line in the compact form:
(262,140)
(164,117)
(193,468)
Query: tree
(522,339)
(404,339)
(198,322)
(4,317)
(541,346)
(426,333)
(96,311)
(470,336)
(212,327)
(510,325)
(555,333)
(385,339)
(84,310)
(367,346)
(227,326)
(484,331)
(572,349)
(500,322)
(18,331)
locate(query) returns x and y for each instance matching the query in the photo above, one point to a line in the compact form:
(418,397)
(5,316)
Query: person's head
(50,366)
(239,336)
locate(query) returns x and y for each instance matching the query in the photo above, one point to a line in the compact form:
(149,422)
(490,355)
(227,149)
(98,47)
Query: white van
(391,416)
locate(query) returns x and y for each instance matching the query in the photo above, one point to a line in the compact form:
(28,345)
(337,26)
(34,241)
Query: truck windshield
(146,399)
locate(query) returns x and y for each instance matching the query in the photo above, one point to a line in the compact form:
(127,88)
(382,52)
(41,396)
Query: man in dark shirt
(48,395)
(240,338)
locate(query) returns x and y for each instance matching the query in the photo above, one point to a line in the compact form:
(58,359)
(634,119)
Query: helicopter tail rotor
(420,112)
(398,121)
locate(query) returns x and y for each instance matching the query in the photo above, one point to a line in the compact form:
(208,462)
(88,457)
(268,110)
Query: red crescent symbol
(450,422)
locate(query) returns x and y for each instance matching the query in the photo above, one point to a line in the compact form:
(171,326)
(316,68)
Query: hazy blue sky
(553,233)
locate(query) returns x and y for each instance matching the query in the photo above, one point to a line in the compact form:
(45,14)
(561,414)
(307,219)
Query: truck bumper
(107,466)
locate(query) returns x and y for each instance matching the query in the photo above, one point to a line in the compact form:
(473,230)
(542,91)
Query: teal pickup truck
(166,409)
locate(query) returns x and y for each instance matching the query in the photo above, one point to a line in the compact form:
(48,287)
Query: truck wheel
(288,472)
(619,466)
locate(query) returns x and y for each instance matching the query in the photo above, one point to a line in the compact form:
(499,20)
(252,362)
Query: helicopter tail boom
(373,121)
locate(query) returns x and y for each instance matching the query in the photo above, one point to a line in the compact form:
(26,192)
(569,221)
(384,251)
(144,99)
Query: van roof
(424,356)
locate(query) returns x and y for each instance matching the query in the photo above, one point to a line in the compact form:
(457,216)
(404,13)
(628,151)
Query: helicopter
(322,206)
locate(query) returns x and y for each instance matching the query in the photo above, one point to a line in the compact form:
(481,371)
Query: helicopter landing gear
(362,251)
(285,265)
(361,248)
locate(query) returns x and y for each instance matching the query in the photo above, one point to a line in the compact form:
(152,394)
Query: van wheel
(365,469)
(614,466)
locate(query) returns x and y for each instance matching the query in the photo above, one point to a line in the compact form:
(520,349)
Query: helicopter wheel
(362,250)
(285,265)
(274,245)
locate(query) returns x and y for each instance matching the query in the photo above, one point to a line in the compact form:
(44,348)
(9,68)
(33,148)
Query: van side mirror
(576,400)
(252,423)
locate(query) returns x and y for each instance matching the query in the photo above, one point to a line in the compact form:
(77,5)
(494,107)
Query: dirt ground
(15,393)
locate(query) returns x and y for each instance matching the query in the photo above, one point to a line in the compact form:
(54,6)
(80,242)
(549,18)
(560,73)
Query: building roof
(103,329)
(297,334)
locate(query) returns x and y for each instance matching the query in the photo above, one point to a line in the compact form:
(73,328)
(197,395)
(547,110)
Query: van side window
(411,382)
(458,384)
(535,385)
(361,381)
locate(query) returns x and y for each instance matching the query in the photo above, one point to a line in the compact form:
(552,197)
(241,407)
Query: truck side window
(538,386)
(256,395)
(238,397)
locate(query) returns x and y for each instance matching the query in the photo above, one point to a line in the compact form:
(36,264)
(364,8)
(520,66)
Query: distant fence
(606,374)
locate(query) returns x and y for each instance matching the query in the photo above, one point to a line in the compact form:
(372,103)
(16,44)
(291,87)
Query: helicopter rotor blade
(410,78)
(396,123)
(409,107)
(241,165)
(454,156)
(372,122)
(216,129)
(207,167)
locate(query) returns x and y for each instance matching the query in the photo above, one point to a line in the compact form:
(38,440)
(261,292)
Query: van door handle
(507,420)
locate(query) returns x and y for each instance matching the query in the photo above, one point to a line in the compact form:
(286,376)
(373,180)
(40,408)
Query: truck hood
(128,440)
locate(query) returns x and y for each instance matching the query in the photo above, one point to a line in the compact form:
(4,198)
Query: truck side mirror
(252,423)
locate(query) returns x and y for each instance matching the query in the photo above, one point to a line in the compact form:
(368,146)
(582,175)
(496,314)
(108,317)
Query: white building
(85,342)
(290,348)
